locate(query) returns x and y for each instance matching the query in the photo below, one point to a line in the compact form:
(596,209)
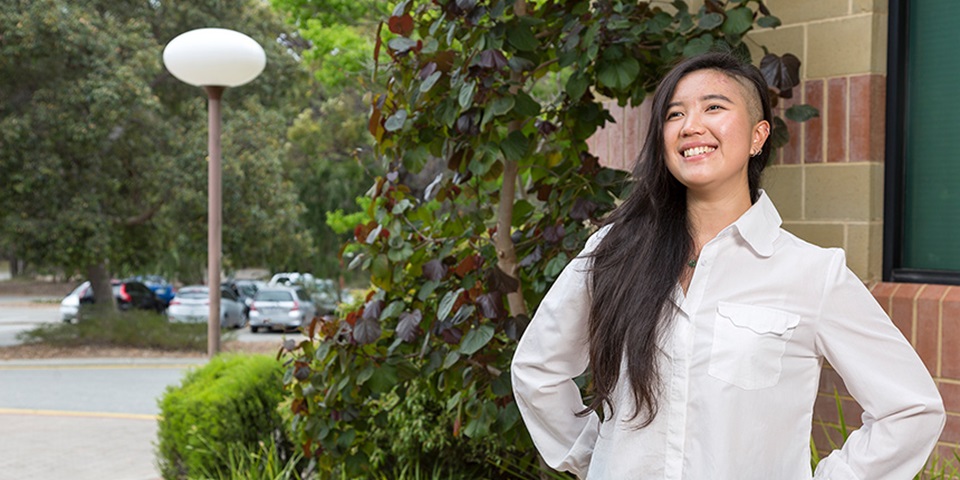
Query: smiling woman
(706,324)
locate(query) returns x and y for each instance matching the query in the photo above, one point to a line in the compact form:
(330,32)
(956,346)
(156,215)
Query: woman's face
(710,131)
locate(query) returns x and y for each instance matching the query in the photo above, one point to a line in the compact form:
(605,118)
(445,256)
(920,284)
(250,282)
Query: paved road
(83,419)
(22,313)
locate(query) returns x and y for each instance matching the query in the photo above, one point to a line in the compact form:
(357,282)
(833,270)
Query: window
(922,186)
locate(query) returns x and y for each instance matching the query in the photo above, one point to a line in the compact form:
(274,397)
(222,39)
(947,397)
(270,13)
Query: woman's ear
(761,131)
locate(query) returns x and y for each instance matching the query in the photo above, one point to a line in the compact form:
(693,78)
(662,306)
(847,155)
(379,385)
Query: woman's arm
(554,350)
(903,412)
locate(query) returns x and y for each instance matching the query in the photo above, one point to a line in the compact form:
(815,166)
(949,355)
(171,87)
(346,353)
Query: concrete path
(83,419)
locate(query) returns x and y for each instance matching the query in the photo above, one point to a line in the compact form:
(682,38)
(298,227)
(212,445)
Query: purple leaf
(366,330)
(409,325)
(582,209)
(371,311)
(554,233)
(434,270)
(498,281)
(532,258)
(491,305)
(781,73)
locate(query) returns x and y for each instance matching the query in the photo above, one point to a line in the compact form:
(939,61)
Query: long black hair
(638,263)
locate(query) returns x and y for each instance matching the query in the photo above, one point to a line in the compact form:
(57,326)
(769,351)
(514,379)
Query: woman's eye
(714,107)
(673,115)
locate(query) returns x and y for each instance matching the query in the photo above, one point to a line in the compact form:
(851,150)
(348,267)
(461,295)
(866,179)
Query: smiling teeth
(697,151)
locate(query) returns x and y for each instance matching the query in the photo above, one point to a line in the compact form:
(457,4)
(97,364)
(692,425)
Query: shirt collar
(760,225)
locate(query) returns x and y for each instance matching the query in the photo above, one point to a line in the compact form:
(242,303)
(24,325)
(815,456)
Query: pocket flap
(758,319)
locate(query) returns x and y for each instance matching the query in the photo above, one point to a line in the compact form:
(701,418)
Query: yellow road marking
(94,366)
(65,413)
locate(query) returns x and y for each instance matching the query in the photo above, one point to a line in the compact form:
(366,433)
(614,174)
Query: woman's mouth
(693,152)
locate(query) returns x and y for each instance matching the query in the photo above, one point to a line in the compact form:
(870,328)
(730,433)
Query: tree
(456,266)
(103,152)
(329,142)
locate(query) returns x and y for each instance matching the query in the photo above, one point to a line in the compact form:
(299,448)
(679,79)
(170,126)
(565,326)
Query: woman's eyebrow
(712,96)
(716,96)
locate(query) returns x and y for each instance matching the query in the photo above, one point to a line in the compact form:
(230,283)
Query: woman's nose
(691,126)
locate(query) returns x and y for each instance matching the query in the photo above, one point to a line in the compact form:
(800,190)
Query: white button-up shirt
(740,370)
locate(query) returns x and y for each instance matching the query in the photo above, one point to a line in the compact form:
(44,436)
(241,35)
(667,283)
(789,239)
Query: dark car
(159,285)
(130,295)
(245,291)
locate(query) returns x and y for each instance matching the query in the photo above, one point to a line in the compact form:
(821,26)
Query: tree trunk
(99,277)
(506,253)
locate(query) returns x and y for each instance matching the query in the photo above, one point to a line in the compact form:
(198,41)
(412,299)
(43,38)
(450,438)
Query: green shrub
(229,403)
(130,329)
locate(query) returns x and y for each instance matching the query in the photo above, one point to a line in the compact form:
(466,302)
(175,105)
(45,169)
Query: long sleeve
(903,412)
(553,351)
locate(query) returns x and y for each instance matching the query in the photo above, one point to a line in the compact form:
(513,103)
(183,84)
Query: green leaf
(383,379)
(453,400)
(701,44)
(427,289)
(710,21)
(525,105)
(395,122)
(501,105)
(365,374)
(619,74)
(446,303)
(521,38)
(555,265)
(739,20)
(450,359)
(768,21)
(577,86)
(515,146)
(430,81)
(779,136)
(475,339)
(801,113)
(466,94)
(521,210)
(392,310)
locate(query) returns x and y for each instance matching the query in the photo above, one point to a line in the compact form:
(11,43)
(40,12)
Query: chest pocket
(748,344)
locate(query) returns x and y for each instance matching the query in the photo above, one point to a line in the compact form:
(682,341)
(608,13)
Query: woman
(704,325)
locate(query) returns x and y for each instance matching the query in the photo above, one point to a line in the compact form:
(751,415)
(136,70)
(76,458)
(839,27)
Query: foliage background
(489,190)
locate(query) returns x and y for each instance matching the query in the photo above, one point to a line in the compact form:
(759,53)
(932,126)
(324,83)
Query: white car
(281,308)
(291,279)
(192,305)
(70,304)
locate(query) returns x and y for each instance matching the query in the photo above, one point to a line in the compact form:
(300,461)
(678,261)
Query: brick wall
(929,316)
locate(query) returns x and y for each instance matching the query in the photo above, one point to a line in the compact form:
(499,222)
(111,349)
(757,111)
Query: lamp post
(214,58)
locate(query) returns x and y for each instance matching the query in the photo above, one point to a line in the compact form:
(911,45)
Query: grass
(132,329)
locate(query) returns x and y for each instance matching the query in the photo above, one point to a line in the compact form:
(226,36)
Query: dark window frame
(895,153)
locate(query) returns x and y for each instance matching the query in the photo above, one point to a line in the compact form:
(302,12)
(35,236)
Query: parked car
(245,290)
(192,305)
(328,296)
(160,286)
(130,295)
(291,278)
(281,308)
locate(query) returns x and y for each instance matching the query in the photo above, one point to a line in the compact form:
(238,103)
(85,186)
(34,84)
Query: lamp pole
(214,58)
(214,217)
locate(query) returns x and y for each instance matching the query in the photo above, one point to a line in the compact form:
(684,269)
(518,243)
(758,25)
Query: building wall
(828,182)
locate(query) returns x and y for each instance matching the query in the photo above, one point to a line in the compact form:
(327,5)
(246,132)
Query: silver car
(281,308)
(192,305)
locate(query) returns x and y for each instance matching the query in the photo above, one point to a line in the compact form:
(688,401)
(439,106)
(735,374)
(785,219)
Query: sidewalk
(83,419)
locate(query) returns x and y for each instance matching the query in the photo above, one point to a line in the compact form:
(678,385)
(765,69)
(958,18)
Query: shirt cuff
(832,468)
